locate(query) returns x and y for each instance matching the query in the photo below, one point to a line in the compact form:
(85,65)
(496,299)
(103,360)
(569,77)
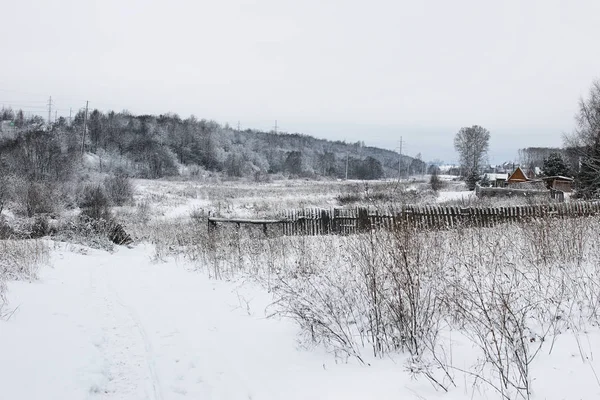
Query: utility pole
(346,165)
(49,110)
(84,128)
(238,126)
(55,115)
(400,160)
(275,127)
(70,119)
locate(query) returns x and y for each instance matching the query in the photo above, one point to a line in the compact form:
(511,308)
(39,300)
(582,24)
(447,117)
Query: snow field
(117,326)
(141,324)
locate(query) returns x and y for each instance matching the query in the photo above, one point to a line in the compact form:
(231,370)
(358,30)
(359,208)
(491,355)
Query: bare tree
(586,139)
(472,144)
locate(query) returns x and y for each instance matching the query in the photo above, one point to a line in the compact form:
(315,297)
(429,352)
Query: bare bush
(492,307)
(143,211)
(39,227)
(119,189)
(95,233)
(94,203)
(6,231)
(435,182)
(4,191)
(32,198)
(510,291)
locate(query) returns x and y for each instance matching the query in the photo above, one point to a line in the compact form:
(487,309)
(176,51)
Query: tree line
(155,146)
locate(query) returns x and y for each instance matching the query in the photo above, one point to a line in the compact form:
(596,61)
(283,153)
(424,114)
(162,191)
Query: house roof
(518,176)
(493,177)
(557,177)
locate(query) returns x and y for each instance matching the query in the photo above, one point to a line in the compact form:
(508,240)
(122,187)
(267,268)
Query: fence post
(364,224)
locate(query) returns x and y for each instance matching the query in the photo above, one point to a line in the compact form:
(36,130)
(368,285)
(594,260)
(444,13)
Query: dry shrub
(511,290)
(32,198)
(6,231)
(375,291)
(20,260)
(95,233)
(143,211)
(94,203)
(119,189)
(5,190)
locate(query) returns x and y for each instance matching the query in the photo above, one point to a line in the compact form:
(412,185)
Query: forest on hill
(150,146)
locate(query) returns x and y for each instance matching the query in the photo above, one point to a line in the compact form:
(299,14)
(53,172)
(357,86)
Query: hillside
(151,146)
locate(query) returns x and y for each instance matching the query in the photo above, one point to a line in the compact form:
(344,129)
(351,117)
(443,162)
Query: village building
(562,183)
(496,180)
(518,176)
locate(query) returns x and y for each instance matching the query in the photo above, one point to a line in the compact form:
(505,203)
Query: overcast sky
(350,70)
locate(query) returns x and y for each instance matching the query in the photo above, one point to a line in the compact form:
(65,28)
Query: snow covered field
(175,199)
(150,322)
(117,326)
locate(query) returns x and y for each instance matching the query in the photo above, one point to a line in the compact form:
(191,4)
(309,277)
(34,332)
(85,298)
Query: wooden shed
(562,183)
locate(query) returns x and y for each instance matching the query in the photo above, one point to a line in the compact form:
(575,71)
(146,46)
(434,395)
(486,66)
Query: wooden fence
(511,192)
(315,221)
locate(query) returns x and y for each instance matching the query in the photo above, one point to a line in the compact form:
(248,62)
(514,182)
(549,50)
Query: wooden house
(518,176)
(496,180)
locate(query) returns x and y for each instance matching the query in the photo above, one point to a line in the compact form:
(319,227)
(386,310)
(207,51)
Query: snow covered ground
(123,326)
(118,326)
(465,196)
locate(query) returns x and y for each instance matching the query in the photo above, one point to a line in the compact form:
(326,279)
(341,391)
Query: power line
(347,156)
(66,97)
(32,107)
(37,107)
(20,92)
(24,102)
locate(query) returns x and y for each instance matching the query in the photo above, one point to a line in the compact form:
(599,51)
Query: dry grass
(20,260)
(385,292)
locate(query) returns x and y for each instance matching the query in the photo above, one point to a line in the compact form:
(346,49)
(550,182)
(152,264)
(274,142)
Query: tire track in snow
(149,353)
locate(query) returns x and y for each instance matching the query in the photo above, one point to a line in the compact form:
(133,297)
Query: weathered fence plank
(347,221)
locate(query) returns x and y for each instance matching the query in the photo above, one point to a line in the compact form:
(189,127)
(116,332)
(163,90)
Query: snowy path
(121,327)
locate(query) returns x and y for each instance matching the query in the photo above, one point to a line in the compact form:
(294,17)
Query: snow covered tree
(293,163)
(555,165)
(472,145)
(586,139)
(20,119)
(471,179)
(485,181)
